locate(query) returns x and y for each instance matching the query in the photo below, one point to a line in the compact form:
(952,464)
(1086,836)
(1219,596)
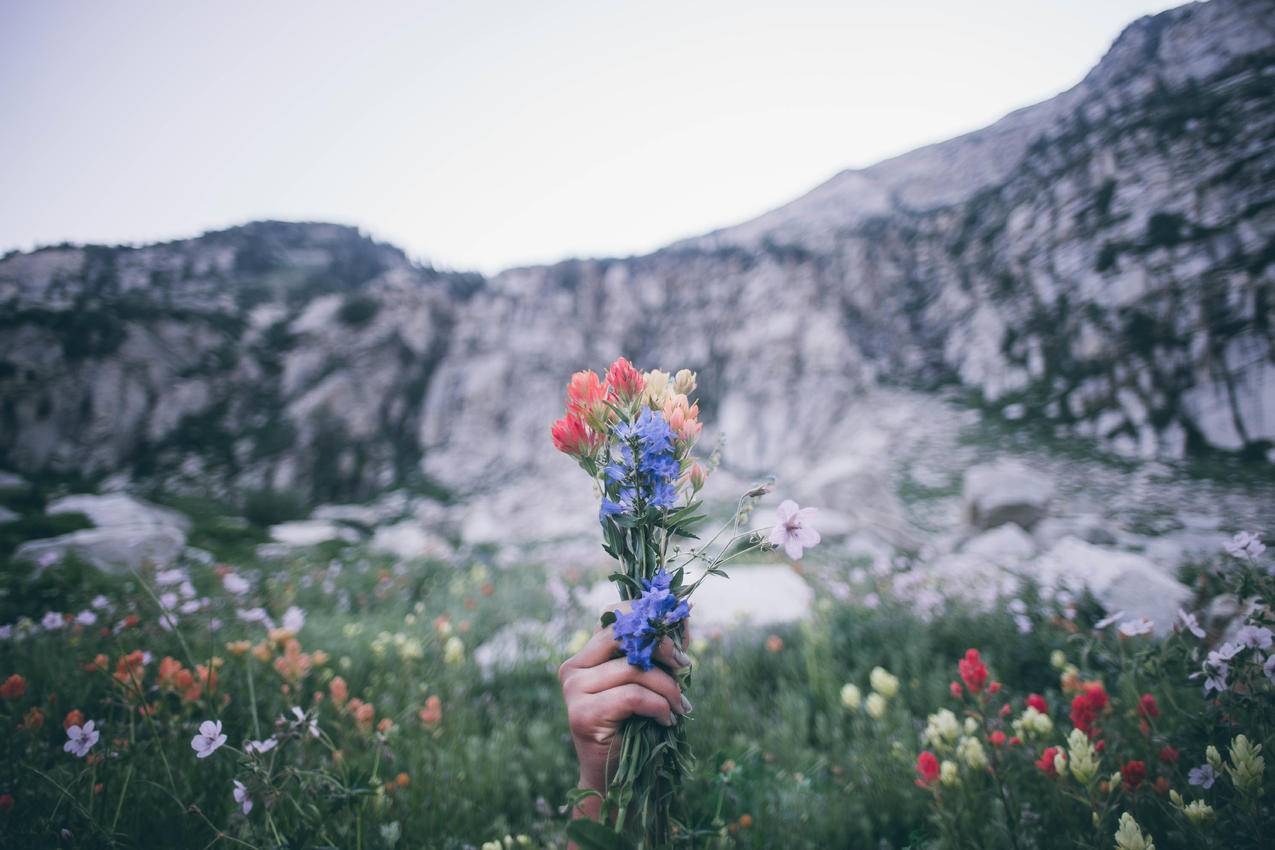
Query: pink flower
(791,530)
(242,797)
(80,739)
(209,739)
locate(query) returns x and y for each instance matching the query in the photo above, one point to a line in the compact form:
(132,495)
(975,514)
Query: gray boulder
(1005,491)
(111,550)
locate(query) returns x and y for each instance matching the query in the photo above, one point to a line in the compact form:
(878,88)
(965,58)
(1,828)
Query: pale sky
(482,134)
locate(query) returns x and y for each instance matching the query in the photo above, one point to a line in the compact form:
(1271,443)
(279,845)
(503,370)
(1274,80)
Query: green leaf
(608,618)
(591,835)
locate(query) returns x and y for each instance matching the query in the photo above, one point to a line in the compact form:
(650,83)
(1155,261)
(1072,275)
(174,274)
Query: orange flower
(774,643)
(385,726)
(624,383)
(339,690)
(74,717)
(99,663)
(319,657)
(13,688)
(586,396)
(432,713)
(170,673)
(363,715)
(239,647)
(128,669)
(294,665)
(402,780)
(682,417)
(262,652)
(33,719)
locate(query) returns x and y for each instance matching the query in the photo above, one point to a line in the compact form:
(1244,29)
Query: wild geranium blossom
(310,724)
(52,621)
(792,529)
(1135,627)
(235,583)
(80,739)
(259,748)
(1254,637)
(294,619)
(209,739)
(1203,776)
(1246,544)
(242,797)
(1189,622)
(1108,620)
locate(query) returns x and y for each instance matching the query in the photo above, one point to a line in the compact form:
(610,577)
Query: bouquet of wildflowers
(634,434)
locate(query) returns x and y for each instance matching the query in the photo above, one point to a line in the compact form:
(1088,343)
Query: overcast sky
(489,134)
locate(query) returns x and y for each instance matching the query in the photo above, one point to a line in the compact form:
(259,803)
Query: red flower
(74,717)
(586,394)
(1037,702)
(997,738)
(957,691)
(1133,772)
(1168,755)
(994,688)
(6,802)
(927,769)
(1046,761)
(973,672)
(13,688)
(1015,741)
(571,436)
(1087,706)
(624,381)
(1147,707)
(1005,710)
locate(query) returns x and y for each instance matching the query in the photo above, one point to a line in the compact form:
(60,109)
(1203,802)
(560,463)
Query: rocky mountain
(1103,263)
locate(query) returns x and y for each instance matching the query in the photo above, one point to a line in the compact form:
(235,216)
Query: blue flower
(653,615)
(1202,776)
(643,465)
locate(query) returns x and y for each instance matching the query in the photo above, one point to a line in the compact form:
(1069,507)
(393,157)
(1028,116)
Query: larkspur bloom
(1246,544)
(792,529)
(1189,622)
(80,739)
(643,468)
(209,739)
(242,797)
(1203,776)
(651,617)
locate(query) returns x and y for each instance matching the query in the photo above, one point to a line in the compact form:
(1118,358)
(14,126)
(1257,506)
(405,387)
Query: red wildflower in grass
(1169,755)
(994,688)
(1005,710)
(973,672)
(1046,761)
(572,436)
(74,717)
(927,769)
(33,719)
(957,691)
(1134,772)
(1015,741)
(432,713)
(997,738)
(339,690)
(1088,706)
(1162,785)
(1147,707)
(6,802)
(128,670)
(1099,745)
(13,688)
(1037,702)
(623,381)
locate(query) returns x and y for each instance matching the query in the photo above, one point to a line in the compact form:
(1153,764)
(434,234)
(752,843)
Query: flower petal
(807,537)
(787,508)
(793,547)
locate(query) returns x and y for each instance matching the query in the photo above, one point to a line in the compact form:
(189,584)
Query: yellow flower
(1129,836)
(1084,759)
(883,683)
(655,388)
(684,382)
(948,774)
(970,751)
(1213,757)
(971,726)
(942,729)
(1058,659)
(851,696)
(453,650)
(1198,812)
(1033,724)
(238,647)
(1247,765)
(875,706)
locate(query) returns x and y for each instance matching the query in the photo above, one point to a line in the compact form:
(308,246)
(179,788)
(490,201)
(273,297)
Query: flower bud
(875,706)
(1247,765)
(1213,757)
(883,683)
(851,697)
(948,773)
(1129,835)
(684,382)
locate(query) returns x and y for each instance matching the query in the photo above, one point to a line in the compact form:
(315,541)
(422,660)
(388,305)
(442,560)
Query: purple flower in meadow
(1133,628)
(1269,668)
(6,631)
(1216,671)
(166,577)
(86,618)
(294,619)
(257,748)
(1226,651)
(80,739)
(310,724)
(1203,776)
(99,602)
(792,529)
(1189,622)
(48,559)
(242,797)
(52,621)
(1108,620)
(1246,544)
(1254,637)
(235,583)
(209,739)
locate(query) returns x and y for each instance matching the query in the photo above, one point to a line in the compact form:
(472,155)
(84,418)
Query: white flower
(453,650)
(301,722)
(970,750)
(294,619)
(80,739)
(168,600)
(99,602)
(875,705)
(1256,637)
(942,729)
(190,606)
(1106,621)
(209,739)
(883,683)
(242,797)
(1226,651)
(235,584)
(187,590)
(256,615)
(163,578)
(1140,626)
(52,621)
(1246,544)
(1269,668)
(1189,622)
(791,530)
(1130,837)
(851,697)
(86,618)
(1024,624)
(258,748)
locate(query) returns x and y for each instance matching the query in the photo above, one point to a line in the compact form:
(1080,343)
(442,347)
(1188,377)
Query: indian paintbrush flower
(1247,765)
(1129,836)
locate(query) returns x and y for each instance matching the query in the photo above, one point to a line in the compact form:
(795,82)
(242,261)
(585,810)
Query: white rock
(118,509)
(1006,545)
(1121,581)
(311,532)
(112,550)
(11,481)
(1005,491)
(408,540)
(1087,527)
(753,596)
(7,515)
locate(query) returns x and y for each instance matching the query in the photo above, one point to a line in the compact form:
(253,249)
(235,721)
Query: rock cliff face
(1103,262)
